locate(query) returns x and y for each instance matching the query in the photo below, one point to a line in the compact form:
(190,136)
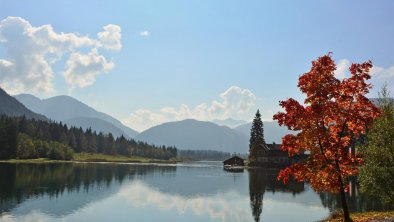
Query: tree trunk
(346,216)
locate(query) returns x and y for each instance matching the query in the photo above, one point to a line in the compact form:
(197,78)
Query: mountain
(12,107)
(67,109)
(196,135)
(98,125)
(230,122)
(272,131)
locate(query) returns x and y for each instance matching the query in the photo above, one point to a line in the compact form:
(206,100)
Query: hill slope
(197,135)
(12,107)
(66,109)
(98,125)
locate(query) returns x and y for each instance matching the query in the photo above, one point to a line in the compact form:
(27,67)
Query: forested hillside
(28,138)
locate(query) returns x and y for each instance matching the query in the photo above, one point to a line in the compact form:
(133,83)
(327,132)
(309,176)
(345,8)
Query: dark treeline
(28,138)
(203,154)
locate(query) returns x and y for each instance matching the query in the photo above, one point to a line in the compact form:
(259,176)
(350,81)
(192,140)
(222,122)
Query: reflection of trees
(358,202)
(21,181)
(261,181)
(257,185)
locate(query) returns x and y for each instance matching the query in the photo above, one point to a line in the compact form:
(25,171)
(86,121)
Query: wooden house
(271,156)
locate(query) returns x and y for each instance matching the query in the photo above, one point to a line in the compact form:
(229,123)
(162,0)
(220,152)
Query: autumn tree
(256,138)
(377,173)
(334,115)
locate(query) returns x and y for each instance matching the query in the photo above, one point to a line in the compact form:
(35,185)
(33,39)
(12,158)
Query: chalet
(270,155)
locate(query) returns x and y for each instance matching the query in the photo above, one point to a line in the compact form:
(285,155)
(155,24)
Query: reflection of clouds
(32,217)
(292,211)
(223,207)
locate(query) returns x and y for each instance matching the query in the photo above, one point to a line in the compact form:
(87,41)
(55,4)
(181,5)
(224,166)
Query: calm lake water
(198,191)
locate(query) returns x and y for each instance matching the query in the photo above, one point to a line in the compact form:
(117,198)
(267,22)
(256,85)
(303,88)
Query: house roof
(270,146)
(234,157)
(273,146)
(237,157)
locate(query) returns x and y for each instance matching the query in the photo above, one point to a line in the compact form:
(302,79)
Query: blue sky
(161,61)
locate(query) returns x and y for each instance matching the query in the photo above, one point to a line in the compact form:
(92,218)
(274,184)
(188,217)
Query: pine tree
(110,145)
(8,139)
(72,141)
(256,141)
(82,143)
(100,143)
(121,146)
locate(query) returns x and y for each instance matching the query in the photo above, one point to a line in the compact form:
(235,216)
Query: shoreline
(376,216)
(44,160)
(96,158)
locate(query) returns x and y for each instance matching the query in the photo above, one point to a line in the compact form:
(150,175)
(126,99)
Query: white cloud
(342,69)
(31,52)
(382,75)
(379,75)
(111,37)
(235,102)
(82,69)
(223,207)
(144,118)
(145,33)
(33,216)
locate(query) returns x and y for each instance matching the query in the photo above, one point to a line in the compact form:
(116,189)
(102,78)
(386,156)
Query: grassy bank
(94,157)
(38,160)
(364,217)
(99,157)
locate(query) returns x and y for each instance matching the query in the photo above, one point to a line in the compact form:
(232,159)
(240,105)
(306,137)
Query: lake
(197,191)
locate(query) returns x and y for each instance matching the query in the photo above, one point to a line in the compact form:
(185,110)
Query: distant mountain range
(12,107)
(196,135)
(199,135)
(75,113)
(228,135)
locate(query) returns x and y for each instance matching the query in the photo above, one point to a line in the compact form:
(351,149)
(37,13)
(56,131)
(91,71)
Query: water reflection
(261,181)
(21,182)
(184,192)
(227,206)
(357,201)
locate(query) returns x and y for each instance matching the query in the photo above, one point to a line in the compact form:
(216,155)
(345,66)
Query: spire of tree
(256,141)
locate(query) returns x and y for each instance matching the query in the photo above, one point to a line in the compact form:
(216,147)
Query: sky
(149,62)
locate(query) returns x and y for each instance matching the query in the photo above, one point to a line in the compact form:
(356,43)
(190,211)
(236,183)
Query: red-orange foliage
(334,114)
